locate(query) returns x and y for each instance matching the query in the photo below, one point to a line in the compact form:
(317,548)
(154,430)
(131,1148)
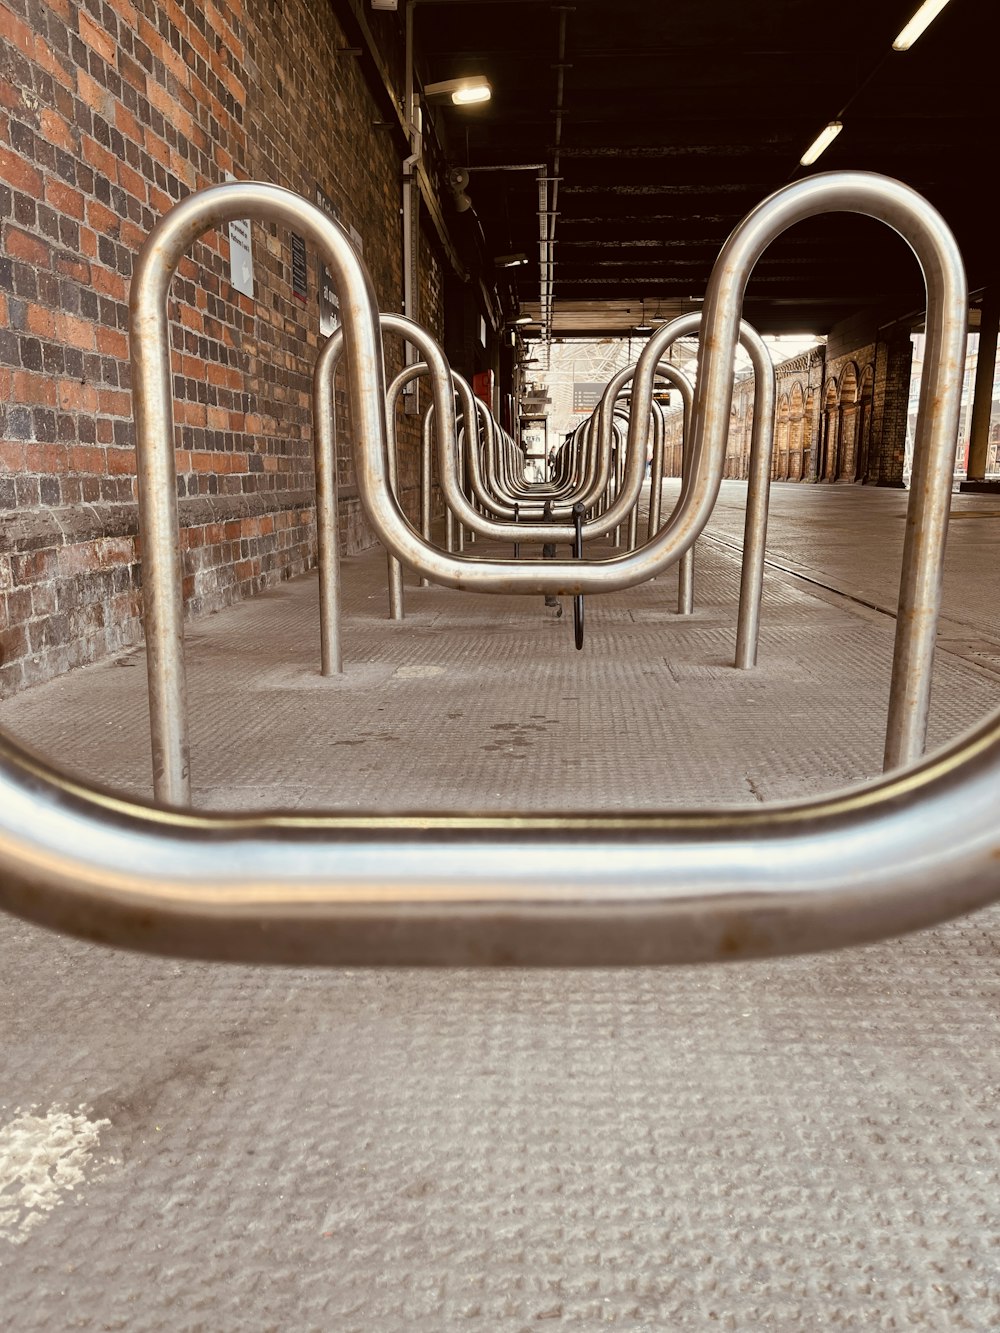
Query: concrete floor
(801,1144)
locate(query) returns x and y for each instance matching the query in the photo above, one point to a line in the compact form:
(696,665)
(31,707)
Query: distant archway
(863,434)
(779,464)
(734,445)
(796,427)
(847,411)
(808,428)
(826,469)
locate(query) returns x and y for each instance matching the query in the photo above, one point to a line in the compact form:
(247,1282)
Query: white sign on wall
(329,301)
(240,253)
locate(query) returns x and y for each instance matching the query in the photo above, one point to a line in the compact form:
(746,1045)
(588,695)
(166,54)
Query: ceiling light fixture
(642,326)
(821,143)
(929,10)
(510,261)
(524,319)
(460,92)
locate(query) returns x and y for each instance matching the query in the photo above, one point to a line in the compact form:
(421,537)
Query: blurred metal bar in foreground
(917,847)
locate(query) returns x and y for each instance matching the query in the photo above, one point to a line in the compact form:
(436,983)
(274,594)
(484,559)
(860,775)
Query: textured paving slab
(784,1146)
(811,1143)
(482,702)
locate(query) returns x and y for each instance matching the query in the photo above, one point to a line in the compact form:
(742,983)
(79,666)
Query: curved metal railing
(912,849)
(915,848)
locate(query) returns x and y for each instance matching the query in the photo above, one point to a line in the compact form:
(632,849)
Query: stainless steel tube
(426,482)
(685,567)
(758,491)
(928,236)
(656,471)
(758,494)
(444,382)
(488,472)
(354,889)
(394,567)
(154,420)
(327,543)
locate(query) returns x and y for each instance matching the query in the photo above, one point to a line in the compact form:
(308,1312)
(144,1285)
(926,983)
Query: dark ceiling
(673,120)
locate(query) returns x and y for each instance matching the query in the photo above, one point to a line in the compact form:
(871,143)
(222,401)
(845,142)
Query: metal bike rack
(888,200)
(936,433)
(758,487)
(913,849)
(154,419)
(609,421)
(442,418)
(685,566)
(910,214)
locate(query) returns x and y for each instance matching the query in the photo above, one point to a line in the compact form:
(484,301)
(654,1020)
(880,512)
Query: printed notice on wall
(240,254)
(329,301)
(300,288)
(586,395)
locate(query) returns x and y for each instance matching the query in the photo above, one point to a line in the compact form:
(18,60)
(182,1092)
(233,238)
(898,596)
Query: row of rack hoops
(914,848)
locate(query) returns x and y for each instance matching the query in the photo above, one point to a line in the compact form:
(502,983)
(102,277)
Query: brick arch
(829,429)
(796,431)
(847,411)
(734,447)
(779,458)
(808,434)
(863,432)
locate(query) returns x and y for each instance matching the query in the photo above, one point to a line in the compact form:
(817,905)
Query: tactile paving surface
(809,1143)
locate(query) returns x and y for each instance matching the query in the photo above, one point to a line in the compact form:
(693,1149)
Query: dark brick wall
(893,360)
(109,113)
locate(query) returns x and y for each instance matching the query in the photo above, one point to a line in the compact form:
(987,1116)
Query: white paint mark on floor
(43,1158)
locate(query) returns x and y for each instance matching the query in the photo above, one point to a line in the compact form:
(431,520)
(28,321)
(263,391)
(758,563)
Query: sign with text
(240,253)
(586,395)
(329,301)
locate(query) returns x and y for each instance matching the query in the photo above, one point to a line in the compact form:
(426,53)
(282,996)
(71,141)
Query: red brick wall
(109,113)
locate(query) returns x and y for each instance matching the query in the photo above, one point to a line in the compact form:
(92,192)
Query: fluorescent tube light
(928,11)
(821,143)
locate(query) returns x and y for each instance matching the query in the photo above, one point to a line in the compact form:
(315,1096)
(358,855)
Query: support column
(982,403)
